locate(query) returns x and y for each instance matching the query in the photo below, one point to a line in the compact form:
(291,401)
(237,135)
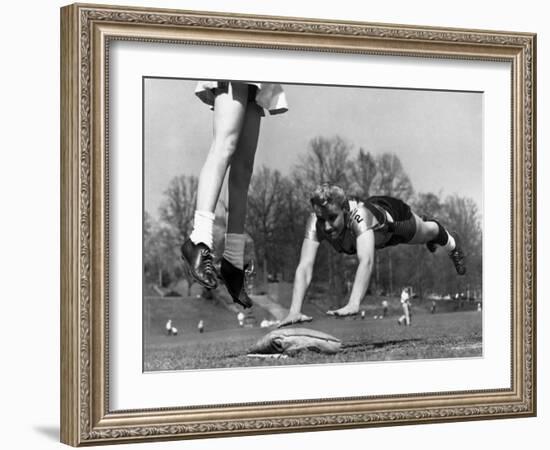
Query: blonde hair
(327,193)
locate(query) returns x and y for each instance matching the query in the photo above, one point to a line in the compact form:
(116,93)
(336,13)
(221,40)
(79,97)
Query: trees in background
(178,207)
(278,208)
(161,265)
(162,238)
(266,205)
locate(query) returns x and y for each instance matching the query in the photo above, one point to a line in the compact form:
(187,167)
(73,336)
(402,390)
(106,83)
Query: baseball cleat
(457,256)
(234,280)
(199,263)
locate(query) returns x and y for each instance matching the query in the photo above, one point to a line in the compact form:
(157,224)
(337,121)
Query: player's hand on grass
(345,311)
(294,318)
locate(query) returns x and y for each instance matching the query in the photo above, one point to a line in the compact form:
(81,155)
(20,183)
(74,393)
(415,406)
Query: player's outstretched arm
(365,255)
(302,279)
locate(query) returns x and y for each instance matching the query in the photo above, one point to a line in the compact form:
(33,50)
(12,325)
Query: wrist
(353,302)
(295,311)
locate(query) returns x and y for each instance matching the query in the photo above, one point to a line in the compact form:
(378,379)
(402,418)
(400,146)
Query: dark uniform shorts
(223,87)
(403,228)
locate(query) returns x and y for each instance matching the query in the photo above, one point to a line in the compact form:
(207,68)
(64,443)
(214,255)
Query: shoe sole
(237,300)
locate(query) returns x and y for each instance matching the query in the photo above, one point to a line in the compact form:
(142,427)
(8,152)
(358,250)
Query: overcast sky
(437,135)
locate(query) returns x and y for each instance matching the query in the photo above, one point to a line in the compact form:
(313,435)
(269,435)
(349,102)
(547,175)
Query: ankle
(450,245)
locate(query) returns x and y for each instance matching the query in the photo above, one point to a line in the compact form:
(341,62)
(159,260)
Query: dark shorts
(223,87)
(403,228)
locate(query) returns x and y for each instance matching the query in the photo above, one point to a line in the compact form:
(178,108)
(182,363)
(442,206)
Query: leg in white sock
(203,228)
(451,244)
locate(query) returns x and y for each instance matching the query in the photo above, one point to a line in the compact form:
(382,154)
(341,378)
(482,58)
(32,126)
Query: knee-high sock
(444,239)
(450,245)
(234,249)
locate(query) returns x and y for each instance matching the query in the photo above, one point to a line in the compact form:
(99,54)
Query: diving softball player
(355,227)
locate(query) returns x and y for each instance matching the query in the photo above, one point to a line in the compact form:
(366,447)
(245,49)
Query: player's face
(331,218)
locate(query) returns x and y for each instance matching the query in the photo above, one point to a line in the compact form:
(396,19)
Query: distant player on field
(405,319)
(354,227)
(385,307)
(170,330)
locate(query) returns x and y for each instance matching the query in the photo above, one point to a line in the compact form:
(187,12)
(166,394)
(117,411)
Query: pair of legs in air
(235,138)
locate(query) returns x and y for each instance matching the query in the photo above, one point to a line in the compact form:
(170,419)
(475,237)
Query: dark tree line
(278,207)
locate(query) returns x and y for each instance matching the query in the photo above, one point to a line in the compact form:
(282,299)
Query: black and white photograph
(292,224)
(294,221)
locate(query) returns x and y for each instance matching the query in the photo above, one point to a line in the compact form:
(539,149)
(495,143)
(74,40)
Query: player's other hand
(345,311)
(294,318)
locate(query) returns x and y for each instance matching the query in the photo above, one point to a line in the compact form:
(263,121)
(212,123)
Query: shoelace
(248,274)
(207,261)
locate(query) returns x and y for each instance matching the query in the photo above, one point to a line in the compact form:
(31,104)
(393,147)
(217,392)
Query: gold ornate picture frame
(87,32)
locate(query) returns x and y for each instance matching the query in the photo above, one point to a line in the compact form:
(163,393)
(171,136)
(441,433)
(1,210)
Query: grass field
(225,344)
